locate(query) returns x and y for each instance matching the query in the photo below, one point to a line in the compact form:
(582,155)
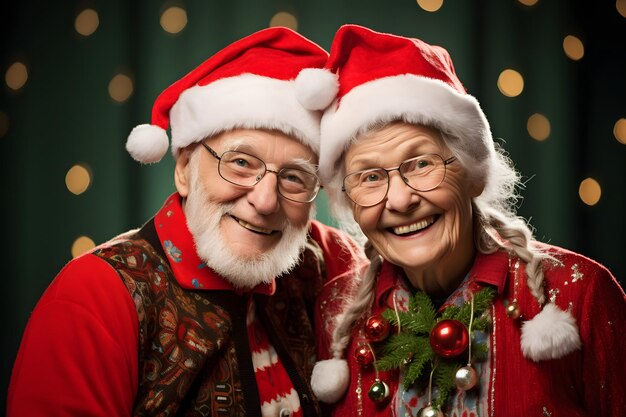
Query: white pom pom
(147,143)
(551,334)
(330,379)
(316,88)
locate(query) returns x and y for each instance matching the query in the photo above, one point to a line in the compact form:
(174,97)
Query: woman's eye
(370,177)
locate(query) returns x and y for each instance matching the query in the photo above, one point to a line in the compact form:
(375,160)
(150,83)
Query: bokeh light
(78,179)
(16,76)
(174,19)
(511,83)
(538,127)
(528,2)
(620,5)
(4,124)
(87,22)
(284,19)
(619,130)
(120,88)
(82,245)
(573,47)
(590,191)
(430,5)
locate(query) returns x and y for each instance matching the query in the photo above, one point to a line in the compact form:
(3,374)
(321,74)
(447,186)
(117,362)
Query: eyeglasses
(246,170)
(422,173)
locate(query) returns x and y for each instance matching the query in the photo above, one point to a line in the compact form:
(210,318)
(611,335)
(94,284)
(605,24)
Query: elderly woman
(461,311)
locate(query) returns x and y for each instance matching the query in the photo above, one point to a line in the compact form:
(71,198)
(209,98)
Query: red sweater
(587,382)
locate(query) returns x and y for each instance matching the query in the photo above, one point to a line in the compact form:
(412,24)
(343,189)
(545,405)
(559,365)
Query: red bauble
(449,338)
(377,328)
(363,355)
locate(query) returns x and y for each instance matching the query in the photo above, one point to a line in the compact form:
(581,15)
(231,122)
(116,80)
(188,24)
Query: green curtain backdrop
(63,115)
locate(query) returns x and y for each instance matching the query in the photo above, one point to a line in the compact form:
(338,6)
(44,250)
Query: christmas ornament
(430,411)
(411,349)
(513,310)
(364,355)
(449,338)
(466,378)
(377,328)
(379,391)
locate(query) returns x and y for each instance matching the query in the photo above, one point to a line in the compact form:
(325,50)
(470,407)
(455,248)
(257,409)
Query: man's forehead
(259,143)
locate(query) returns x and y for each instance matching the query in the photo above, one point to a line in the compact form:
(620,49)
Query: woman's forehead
(392,143)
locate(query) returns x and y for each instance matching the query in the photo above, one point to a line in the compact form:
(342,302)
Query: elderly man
(185,316)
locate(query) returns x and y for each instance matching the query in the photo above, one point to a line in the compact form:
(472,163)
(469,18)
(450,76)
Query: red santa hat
(384,77)
(248,84)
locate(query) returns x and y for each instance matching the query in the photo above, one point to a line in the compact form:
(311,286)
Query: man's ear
(181,172)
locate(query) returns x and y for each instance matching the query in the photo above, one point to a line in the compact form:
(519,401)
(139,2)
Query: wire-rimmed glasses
(370,186)
(247,170)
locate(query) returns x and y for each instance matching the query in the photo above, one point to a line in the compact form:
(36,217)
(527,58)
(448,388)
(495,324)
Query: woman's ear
(181,172)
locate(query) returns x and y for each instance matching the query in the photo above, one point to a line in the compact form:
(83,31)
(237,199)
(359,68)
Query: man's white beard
(203,220)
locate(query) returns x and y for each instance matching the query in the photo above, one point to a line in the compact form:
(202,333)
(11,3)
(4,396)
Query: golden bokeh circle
(78,179)
(430,5)
(511,83)
(81,245)
(620,5)
(174,19)
(284,19)
(590,191)
(120,88)
(87,22)
(16,76)
(619,130)
(538,127)
(528,2)
(573,47)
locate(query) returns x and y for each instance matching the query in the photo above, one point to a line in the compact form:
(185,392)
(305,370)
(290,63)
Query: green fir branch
(397,349)
(410,349)
(482,324)
(444,377)
(483,299)
(479,352)
(424,355)
(422,305)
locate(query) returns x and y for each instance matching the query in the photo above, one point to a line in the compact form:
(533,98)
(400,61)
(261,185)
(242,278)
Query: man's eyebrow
(305,165)
(242,145)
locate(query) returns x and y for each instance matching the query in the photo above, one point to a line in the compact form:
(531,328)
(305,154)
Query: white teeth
(422,224)
(254,228)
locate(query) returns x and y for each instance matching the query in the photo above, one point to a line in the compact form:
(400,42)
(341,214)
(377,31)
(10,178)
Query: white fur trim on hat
(551,334)
(330,379)
(245,101)
(316,88)
(147,143)
(407,97)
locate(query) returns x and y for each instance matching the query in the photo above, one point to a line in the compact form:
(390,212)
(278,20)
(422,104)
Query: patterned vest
(194,355)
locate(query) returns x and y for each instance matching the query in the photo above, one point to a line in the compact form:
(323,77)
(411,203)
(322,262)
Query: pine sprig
(399,347)
(410,349)
(444,376)
(416,364)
